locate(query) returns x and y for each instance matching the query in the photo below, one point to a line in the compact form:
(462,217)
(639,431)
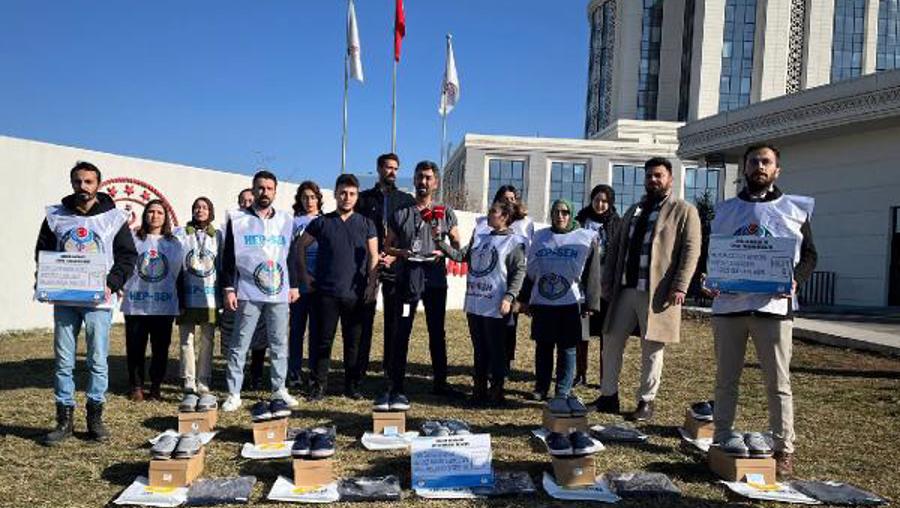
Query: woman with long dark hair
(601,217)
(151,300)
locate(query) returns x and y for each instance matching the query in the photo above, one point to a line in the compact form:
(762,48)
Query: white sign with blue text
(452,461)
(77,277)
(750,264)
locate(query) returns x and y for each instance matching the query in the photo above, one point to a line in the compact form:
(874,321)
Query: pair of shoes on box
(435,428)
(171,446)
(317,443)
(263,411)
(566,405)
(391,402)
(192,403)
(703,411)
(751,444)
(575,444)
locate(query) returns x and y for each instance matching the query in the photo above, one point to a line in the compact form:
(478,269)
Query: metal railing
(818,290)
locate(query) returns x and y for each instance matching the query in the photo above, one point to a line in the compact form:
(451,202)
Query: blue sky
(234,85)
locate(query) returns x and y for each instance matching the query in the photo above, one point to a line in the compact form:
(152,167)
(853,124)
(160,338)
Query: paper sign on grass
(452,461)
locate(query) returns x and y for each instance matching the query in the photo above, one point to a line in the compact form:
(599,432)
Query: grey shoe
(457,427)
(559,406)
(207,402)
(188,446)
(188,403)
(733,445)
(164,448)
(757,445)
(576,407)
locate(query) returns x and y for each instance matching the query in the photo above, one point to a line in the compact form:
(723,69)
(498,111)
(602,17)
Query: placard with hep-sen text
(750,264)
(452,461)
(72,277)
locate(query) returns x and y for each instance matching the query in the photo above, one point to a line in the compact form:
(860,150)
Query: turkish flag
(399,29)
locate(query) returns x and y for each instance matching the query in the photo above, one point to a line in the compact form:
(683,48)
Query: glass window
(506,172)
(567,181)
(628,182)
(888,50)
(701,181)
(599,100)
(737,54)
(648,75)
(848,38)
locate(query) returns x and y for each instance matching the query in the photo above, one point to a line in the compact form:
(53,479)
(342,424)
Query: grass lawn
(847,407)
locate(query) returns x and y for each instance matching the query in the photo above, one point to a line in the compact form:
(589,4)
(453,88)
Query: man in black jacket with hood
(86,221)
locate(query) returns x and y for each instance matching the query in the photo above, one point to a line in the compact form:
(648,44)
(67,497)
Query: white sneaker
(286,397)
(232,403)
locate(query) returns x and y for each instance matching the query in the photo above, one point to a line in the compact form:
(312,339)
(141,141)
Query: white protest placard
(452,461)
(76,277)
(750,264)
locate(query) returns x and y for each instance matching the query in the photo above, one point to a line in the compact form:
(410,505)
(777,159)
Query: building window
(796,46)
(849,35)
(567,181)
(506,172)
(687,50)
(737,54)
(648,74)
(628,182)
(888,51)
(699,182)
(599,100)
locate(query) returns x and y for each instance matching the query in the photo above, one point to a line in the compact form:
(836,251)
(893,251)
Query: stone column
(709,25)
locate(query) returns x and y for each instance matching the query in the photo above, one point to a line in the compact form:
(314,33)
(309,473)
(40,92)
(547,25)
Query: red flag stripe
(399,29)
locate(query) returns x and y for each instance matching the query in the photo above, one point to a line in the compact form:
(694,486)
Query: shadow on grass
(123,473)
(35,434)
(823,371)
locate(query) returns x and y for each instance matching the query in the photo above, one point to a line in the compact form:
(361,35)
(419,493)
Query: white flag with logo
(354,59)
(450,86)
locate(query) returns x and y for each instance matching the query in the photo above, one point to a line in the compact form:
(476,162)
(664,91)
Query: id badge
(417,246)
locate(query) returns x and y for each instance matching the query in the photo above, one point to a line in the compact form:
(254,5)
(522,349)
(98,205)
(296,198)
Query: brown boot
(137,394)
(784,465)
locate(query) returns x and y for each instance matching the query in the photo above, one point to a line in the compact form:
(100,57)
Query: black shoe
(444,390)
(607,404)
(644,411)
(321,445)
(64,425)
(316,394)
(399,402)
(559,444)
(301,444)
(382,403)
(352,392)
(96,430)
(538,396)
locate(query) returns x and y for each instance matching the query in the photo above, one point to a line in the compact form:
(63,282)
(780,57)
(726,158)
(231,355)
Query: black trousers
(511,338)
(389,303)
(488,348)
(138,330)
(350,312)
(435,303)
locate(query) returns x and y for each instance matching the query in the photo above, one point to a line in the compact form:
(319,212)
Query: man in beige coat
(649,266)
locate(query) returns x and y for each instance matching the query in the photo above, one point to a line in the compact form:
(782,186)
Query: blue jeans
(275,317)
(67,323)
(565,366)
(300,316)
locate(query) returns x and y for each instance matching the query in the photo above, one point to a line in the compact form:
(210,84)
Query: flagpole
(346,101)
(394,110)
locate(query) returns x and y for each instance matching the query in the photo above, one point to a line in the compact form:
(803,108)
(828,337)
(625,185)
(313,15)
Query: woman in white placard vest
(199,294)
(760,209)
(496,272)
(150,301)
(559,298)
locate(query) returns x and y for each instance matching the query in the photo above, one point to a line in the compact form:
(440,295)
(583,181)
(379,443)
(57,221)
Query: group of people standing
(270,275)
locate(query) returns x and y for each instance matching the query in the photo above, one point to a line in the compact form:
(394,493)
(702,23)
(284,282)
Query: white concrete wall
(37,174)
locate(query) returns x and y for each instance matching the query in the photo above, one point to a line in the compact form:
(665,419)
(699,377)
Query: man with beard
(649,266)
(345,282)
(85,221)
(257,283)
(760,209)
(422,276)
(378,204)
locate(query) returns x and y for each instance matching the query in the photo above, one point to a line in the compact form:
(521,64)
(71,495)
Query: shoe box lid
(270,431)
(697,429)
(574,471)
(734,469)
(200,421)
(564,424)
(389,422)
(313,472)
(176,472)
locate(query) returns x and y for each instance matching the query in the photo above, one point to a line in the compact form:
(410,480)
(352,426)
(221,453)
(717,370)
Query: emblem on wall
(131,195)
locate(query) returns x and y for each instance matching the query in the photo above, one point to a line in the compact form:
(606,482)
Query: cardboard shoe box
(389,423)
(201,421)
(697,429)
(574,472)
(272,431)
(176,472)
(735,469)
(313,473)
(564,424)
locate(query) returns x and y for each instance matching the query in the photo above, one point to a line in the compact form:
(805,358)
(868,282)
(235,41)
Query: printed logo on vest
(269,277)
(553,286)
(753,230)
(483,260)
(202,265)
(82,239)
(153,266)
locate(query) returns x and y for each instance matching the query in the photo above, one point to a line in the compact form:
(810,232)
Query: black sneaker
(644,411)
(559,444)
(352,392)
(382,402)
(321,445)
(607,404)
(293,380)
(582,444)
(399,402)
(702,411)
(260,412)
(576,407)
(279,409)
(301,444)
(316,394)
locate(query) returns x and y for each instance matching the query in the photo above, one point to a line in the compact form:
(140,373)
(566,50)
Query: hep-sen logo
(263,240)
(559,252)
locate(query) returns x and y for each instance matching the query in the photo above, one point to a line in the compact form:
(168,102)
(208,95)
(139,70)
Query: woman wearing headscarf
(559,295)
(601,217)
